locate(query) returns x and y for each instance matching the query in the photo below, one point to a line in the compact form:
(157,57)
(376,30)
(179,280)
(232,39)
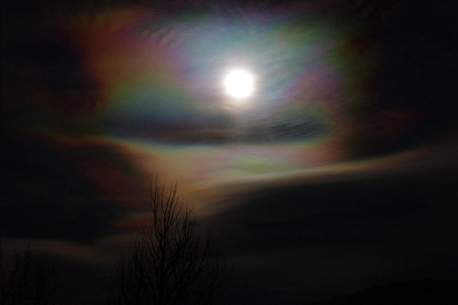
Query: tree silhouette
(28,281)
(173,261)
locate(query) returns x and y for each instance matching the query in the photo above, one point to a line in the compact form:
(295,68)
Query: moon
(239,83)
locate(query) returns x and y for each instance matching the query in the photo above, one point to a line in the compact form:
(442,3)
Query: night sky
(339,173)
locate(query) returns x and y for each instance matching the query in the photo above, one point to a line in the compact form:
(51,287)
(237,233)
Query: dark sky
(339,173)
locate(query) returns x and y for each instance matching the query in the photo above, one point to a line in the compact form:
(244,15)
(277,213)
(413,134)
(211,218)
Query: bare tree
(173,261)
(28,281)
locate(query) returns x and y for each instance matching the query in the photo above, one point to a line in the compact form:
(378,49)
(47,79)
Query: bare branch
(29,281)
(173,261)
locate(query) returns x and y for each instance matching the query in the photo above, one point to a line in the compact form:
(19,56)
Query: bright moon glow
(239,84)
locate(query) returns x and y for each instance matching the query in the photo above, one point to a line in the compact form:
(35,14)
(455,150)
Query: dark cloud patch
(219,128)
(341,236)
(417,46)
(43,69)
(42,197)
(419,62)
(351,212)
(287,126)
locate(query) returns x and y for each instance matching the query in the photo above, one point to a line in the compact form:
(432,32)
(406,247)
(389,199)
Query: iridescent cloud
(147,86)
